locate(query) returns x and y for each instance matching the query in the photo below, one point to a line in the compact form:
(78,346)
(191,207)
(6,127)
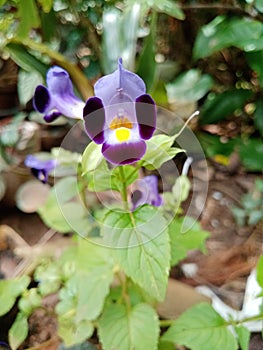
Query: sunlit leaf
(18,332)
(201,328)
(10,290)
(159,150)
(127,329)
(243,337)
(144,250)
(183,242)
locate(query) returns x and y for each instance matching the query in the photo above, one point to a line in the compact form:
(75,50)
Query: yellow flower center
(122,134)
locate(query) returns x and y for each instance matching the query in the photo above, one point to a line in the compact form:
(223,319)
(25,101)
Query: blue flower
(40,168)
(58,97)
(146,192)
(121,116)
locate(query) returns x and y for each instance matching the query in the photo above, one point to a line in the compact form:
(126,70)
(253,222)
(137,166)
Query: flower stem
(124,193)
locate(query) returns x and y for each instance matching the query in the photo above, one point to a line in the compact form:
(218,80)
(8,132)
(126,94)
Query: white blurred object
(251,304)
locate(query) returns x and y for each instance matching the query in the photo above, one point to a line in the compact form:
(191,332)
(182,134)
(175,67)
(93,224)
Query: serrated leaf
(95,267)
(10,290)
(243,337)
(144,250)
(201,328)
(18,332)
(159,150)
(130,173)
(181,243)
(123,329)
(223,32)
(189,86)
(93,287)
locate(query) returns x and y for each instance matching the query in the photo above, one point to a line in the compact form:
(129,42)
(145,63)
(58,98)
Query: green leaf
(29,301)
(159,150)
(189,86)
(218,107)
(84,346)
(147,64)
(251,154)
(181,243)
(130,173)
(63,209)
(144,250)
(91,158)
(259,6)
(49,278)
(29,18)
(18,332)
(24,59)
(27,83)
(46,5)
(10,290)
(223,32)
(95,274)
(243,337)
(260,271)
(254,59)
(201,328)
(258,115)
(71,333)
(169,7)
(123,329)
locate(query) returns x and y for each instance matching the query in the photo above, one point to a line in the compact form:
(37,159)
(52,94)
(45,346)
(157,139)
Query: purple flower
(58,97)
(40,168)
(146,192)
(121,116)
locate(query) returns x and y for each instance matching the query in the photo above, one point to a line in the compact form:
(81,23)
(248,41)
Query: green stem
(78,77)
(124,290)
(124,193)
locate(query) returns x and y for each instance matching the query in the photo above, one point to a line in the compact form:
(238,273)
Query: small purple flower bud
(40,168)
(146,192)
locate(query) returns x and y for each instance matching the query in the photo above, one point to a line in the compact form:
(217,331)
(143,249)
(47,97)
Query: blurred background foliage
(204,55)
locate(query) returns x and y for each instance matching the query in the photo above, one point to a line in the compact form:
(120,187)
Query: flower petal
(146,192)
(146,115)
(124,153)
(94,119)
(42,99)
(119,81)
(58,81)
(51,116)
